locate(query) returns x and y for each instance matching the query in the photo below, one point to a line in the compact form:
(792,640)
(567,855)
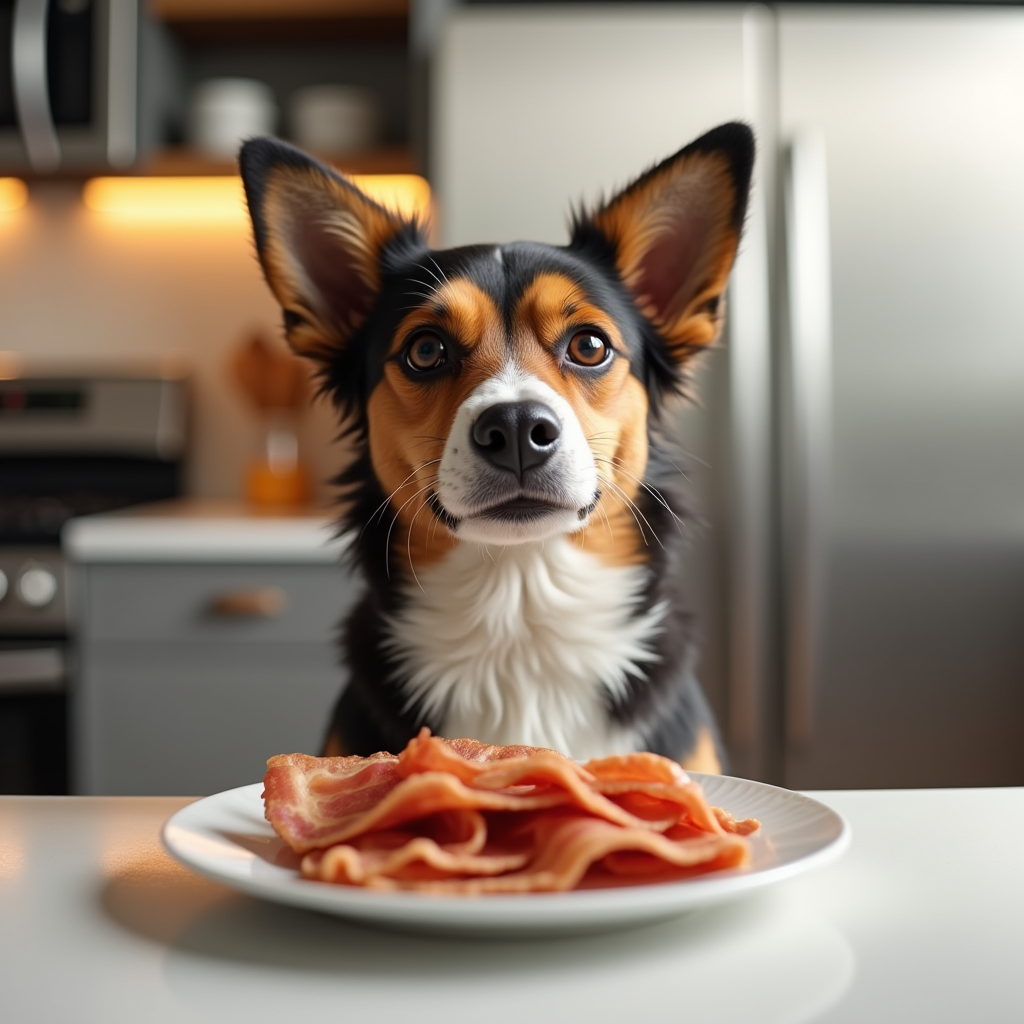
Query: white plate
(226,838)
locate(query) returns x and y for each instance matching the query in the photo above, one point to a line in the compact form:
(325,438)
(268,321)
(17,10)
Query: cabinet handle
(249,603)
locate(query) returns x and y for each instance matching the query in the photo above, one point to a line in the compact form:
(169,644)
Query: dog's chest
(525,645)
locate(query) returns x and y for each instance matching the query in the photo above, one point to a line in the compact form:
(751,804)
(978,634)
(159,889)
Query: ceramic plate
(226,838)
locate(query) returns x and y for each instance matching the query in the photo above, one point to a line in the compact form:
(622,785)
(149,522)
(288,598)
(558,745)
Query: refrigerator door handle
(31,86)
(750,361)
(807,416)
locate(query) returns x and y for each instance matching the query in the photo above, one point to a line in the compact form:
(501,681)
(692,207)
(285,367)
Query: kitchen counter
(195,530)
(922,920)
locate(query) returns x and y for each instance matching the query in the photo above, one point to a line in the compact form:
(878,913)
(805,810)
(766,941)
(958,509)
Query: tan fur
(698,190)
(703,757)
(334,747)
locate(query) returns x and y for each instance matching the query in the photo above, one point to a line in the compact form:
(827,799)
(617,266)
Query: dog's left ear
(320,242)
(673,235)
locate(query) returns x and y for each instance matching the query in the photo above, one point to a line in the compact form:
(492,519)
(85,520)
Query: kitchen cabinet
(195,657)
(288,45)
(137,62)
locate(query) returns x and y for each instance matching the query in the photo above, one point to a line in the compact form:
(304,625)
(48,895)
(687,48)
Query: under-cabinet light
(219,200)
(13,194)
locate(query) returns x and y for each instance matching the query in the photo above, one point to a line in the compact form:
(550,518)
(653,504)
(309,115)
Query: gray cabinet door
(172,720)
(919,659)
(188,677)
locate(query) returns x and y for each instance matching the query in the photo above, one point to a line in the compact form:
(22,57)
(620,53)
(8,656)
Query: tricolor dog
(513,513)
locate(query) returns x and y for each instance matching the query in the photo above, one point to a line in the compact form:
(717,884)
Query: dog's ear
(319,241)
(673,235)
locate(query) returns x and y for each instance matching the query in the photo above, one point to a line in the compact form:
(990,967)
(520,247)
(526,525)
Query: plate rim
(505,911)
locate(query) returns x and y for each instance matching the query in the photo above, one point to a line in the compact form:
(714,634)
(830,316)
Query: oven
(70,444)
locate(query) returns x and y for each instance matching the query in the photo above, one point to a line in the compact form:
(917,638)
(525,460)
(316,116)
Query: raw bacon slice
(509,770)
(439,847)
(465,759)
(463,817)
(409,799)
(305,797)
(746,827)
(566,846)
(638,767)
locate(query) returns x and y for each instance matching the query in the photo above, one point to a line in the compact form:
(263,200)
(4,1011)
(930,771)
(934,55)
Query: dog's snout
(517,436)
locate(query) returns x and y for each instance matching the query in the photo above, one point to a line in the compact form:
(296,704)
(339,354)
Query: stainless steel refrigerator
(857,451)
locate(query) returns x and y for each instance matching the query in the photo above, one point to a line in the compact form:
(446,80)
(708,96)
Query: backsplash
(77,286)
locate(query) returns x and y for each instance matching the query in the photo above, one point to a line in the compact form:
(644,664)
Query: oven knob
(3,584)
(37,587)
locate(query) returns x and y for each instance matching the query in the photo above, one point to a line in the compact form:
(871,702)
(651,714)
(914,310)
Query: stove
(70,444)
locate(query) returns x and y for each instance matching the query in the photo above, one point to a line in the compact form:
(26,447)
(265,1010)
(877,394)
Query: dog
(512,513)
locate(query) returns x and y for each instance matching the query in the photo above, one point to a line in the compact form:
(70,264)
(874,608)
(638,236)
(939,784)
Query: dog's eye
(426,352)
(588,349)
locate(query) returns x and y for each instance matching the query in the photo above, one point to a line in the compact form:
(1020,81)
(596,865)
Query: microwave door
(68,83)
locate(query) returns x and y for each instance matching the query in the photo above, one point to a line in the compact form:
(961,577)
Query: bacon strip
(306,797)
(458,816)
(567,845)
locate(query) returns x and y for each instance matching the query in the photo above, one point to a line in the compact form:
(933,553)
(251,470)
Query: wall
(76,285)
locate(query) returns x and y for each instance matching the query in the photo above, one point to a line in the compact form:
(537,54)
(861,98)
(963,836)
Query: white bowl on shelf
(334,118)
(227,111)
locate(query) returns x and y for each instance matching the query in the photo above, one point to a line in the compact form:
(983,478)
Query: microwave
(68,84)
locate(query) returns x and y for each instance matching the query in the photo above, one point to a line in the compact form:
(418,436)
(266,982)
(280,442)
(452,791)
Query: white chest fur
(524,644)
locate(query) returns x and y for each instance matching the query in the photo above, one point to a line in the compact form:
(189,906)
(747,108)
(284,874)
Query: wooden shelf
(182,162)
(280,22)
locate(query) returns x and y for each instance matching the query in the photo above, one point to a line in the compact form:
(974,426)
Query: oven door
(33,718)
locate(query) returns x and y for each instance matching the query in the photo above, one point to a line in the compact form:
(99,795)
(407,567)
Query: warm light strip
(219,200)
(167,200)
(13,194)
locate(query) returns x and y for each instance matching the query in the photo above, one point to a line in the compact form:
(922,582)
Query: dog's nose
(517,436)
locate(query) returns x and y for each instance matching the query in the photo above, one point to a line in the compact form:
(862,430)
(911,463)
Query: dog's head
(503,391)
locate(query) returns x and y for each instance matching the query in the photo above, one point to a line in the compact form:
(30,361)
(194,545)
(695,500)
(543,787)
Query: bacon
(566,845)
(464,759)
(458,816)
(746,827)
(306,797)
(638,767)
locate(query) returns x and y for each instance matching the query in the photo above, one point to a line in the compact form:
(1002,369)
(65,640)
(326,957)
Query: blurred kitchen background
(854,458)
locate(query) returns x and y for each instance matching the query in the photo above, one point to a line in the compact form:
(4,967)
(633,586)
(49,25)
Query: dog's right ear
(320,242)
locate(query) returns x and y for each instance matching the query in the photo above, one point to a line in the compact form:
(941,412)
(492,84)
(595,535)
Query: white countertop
(204,531)
(923,920)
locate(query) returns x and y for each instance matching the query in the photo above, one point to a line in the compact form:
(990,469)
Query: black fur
(666,704)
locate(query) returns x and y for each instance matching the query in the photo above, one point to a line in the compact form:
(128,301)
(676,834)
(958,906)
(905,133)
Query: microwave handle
(31,89)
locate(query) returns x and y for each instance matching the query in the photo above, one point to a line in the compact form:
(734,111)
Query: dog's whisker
(608,524)
(653,491)
(663,452)
(440,280)
(444,276)
(420,444)
(408,543)
(379,510)
(391,527)
(632,506)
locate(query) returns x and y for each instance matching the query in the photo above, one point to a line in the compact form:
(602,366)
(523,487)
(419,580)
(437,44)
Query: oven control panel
(32,590)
